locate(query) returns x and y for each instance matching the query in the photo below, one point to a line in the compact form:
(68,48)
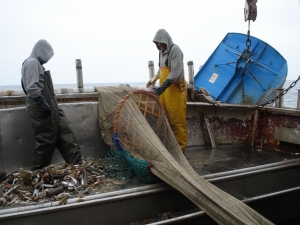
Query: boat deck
(227,158)
(210,161)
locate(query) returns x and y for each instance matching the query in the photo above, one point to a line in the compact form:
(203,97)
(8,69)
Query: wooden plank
(211,136)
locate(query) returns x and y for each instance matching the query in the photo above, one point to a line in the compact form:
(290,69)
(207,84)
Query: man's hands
(153,80)
(44,105)
(158,91)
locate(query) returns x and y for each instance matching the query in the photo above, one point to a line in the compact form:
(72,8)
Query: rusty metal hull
(252,127)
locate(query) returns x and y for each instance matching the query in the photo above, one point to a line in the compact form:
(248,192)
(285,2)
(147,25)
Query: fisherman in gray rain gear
(49,123)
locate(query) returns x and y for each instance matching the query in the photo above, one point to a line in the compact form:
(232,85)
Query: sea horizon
(289,99)
(74,85)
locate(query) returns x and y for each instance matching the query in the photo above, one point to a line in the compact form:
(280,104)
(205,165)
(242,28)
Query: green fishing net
(116,166)
(119,164)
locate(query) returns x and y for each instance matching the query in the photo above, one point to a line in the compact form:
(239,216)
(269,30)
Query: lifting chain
(248,108)
(248,41)
(247,51)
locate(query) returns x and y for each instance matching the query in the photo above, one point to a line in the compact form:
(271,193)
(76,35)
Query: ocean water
(289,99)
(18,87)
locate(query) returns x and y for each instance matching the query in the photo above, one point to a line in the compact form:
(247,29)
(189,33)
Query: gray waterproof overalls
(51,131)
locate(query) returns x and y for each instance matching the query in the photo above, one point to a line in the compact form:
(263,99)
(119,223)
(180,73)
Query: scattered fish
(55,182)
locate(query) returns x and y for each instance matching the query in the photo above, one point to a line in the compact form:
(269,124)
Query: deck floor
(226,158)
(207,161)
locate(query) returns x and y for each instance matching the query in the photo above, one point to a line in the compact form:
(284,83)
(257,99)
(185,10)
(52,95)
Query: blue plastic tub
(232,75)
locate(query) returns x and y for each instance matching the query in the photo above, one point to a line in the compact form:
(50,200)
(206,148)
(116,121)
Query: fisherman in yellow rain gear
(173,88)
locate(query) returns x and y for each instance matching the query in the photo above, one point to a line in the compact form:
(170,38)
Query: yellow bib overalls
(173,99)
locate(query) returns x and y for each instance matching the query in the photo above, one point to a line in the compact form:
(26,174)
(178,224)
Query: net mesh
(140,127)
(116,166)
(119,164)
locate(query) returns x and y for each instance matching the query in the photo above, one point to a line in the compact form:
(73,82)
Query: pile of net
(134,122)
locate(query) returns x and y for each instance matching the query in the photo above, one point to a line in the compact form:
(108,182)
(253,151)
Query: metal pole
(279,101)
(191,78)
(79,75)
(151,72)
(298,100)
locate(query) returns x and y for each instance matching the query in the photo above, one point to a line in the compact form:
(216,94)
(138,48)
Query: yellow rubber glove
(153,80)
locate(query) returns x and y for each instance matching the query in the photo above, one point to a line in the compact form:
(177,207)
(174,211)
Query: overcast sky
(114,38)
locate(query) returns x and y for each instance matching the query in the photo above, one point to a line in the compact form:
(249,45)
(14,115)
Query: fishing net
(139,126)
(120,164)
(116,166)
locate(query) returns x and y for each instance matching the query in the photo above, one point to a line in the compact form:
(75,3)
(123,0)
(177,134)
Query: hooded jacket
(173,53)
(32,70)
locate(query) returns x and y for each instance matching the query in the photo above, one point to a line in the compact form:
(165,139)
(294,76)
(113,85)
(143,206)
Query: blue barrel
(234,75)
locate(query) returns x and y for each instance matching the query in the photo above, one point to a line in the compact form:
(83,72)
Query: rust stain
(232,129)
(254,125)
(269,121)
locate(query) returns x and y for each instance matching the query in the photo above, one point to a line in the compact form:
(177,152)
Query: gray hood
(172,56)
(162,36)
(32,70)
(42,51)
